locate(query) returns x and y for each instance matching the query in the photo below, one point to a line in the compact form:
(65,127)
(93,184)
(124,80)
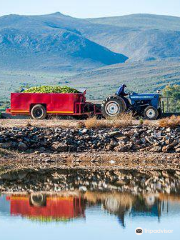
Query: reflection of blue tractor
(145,105)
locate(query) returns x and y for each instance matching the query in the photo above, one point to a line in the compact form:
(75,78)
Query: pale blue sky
(90,8)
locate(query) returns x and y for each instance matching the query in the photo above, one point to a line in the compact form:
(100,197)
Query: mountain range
(50,42)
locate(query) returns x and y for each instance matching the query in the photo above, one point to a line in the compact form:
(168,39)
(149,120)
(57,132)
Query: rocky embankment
(58,140)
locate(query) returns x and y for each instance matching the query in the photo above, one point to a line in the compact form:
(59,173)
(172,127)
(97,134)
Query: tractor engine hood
(143,96)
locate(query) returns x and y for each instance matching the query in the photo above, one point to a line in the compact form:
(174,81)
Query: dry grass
(150,122)
(122,121)
(172,122)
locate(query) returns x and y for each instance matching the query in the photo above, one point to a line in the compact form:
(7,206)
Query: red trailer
(54,207)
(39,105)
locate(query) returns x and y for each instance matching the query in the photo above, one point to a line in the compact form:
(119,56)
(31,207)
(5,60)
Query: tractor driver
(121,93)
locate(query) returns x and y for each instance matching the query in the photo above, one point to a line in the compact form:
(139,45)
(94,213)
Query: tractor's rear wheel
(38,112)
(113,106)
(151,113)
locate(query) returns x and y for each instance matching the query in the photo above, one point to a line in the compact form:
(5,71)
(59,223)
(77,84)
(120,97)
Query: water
(92,215)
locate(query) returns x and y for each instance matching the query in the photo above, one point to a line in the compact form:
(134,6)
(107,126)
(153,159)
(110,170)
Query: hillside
(140,77)
(57,42)
(49,43)
(140,37)
(143,21)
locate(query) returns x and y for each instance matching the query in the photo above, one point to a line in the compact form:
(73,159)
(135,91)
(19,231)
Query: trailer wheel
(151,113)
(37,200)
(113,106)
(38,112)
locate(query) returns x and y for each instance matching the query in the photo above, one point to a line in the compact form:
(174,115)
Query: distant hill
(57,42)
(51,43)
(142,21)
(141,37)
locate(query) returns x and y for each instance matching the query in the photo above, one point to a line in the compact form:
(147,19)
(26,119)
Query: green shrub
(173,93)
(51,89)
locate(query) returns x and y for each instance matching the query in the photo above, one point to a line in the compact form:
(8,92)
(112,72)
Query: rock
(149,140)
(55,176)
(121,148)
(120,183)
(109,147)
(60,147)
(83,131)
(82,188)
(178,173)
(156,149)
(22,146)
(157,134)
(9,176)
(6,145)
(170,146)
(112,162)
(115,134)
(168,130)
(22,175)
(165,174)
(72,148)
(165,149)
(42,149)
(122,139)
(177,150)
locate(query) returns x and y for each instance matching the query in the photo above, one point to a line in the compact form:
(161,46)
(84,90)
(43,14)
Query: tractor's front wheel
(151,113)
(113,106)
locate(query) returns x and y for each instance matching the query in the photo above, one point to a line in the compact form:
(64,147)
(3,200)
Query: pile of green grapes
(51,89)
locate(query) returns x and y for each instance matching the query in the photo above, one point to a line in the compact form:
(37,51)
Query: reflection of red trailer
(39,105)
(57,208)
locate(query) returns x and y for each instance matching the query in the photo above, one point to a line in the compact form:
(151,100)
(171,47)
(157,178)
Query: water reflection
(42,207)
(122,204)
(72,205)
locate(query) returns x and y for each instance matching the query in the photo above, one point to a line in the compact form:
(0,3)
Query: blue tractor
(144,105)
